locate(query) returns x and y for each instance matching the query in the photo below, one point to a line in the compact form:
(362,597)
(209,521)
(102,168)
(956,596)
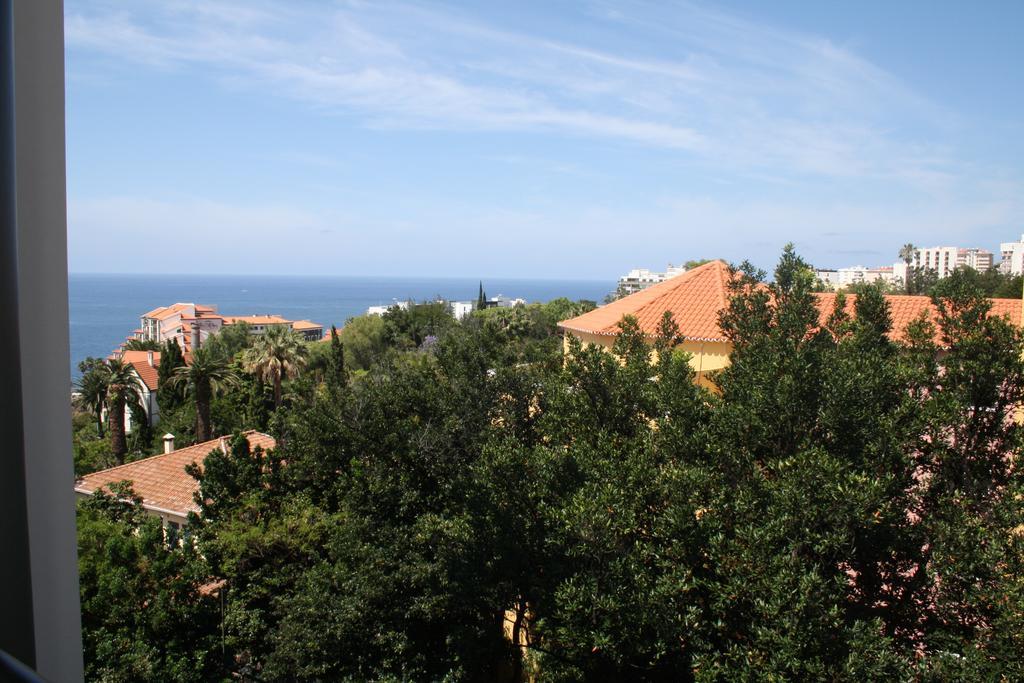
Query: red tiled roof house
(695,300)
(166,489)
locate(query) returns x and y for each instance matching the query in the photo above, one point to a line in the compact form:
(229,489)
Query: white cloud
(721,88)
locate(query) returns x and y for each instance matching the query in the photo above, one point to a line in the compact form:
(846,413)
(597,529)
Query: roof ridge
(157,456)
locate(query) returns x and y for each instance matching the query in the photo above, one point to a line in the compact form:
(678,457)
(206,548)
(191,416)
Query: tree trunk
(202,414)
(277,391)
(517,636)
(99,421)
(115,417)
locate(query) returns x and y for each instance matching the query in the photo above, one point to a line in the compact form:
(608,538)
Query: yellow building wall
(704,356)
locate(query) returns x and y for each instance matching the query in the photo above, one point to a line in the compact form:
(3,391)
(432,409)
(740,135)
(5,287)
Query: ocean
(105,309)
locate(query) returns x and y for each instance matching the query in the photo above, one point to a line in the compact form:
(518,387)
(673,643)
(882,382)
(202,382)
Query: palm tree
(207,375)
(907,253)
(93,387)
(122,386)
(277,355)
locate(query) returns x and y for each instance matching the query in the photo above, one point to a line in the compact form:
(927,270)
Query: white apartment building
(382,309)
(460,309)
(642,278)
(844,277)
(1013,257)
(944,260)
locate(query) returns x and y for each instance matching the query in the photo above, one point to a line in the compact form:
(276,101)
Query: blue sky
(547,139)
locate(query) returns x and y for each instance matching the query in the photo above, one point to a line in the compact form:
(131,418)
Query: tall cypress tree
(337,357)
(481,299)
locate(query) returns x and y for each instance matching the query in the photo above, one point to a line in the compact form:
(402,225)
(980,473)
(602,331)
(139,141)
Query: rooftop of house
(165,312)
(161,480)
(306,325)
(140,361)
(265,319)
(696,297)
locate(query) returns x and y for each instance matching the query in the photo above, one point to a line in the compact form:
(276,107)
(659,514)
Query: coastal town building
(146,366)
(192,324)
(944,260)
(695,300)
(641,278)
(458,309)
(502,301)
(844,277)
(1012,254)
(382,309)
(166,489)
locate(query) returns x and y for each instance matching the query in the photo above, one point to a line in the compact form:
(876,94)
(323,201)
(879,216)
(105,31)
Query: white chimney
(168,443)
(149,357)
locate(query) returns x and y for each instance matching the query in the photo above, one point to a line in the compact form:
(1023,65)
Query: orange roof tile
(306,325)
(140,361)
(154,312)
(696,297)
(255,319)
(168,311)
(905,309)
(161,480)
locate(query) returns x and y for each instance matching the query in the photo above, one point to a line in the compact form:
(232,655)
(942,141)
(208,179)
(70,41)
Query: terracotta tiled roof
(696,297)
(906,309)
(140,361)
(168,311)
(255,319)
(161,480)
(154,312)
(306,325)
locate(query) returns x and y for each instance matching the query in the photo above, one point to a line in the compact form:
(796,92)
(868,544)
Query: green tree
(171,358)
(481,298)
(207,375)
(231,340)
(123,387)
(92,386)
(142,345)
(337,359)
(276,355)
(907,253)
(144,615)
(364,341)
(407,328)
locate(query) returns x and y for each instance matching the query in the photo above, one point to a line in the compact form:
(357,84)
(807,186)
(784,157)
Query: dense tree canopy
(841,507)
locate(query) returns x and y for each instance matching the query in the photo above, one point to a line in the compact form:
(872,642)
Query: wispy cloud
(719,88)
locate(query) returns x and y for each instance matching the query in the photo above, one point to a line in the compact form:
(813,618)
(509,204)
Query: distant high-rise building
(852,275)
(944,260)
(1013,257)
(641,278)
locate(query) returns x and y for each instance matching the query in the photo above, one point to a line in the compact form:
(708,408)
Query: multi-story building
(502,301)
(1013,257)
(944,260)
(852,275)
(191,324)
(978,259)
(642,278)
